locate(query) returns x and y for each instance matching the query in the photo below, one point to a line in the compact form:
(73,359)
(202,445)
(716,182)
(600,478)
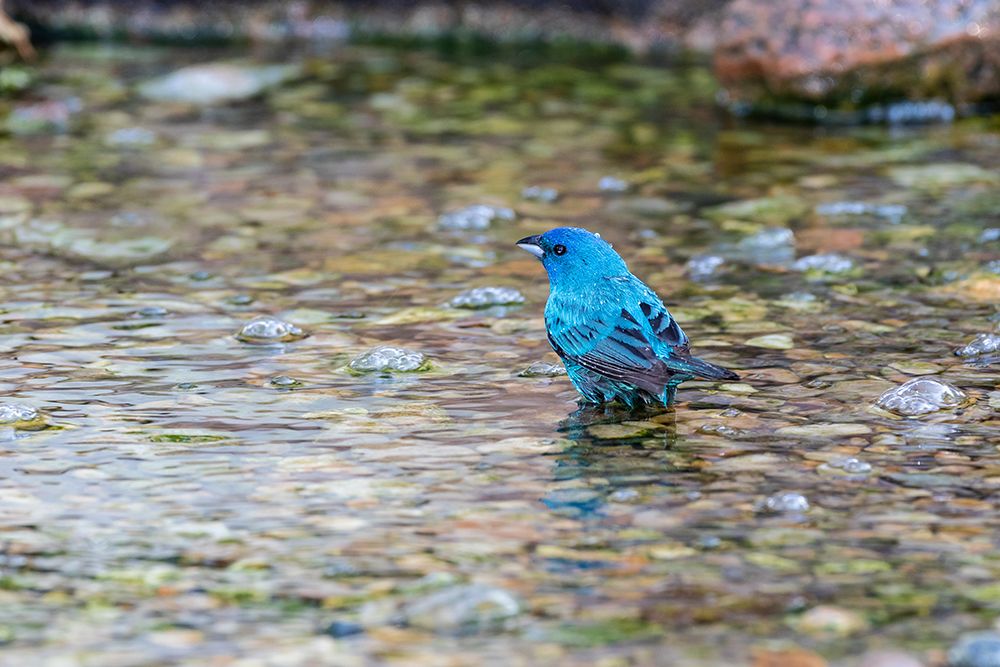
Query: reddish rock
(851,52)
(791,657)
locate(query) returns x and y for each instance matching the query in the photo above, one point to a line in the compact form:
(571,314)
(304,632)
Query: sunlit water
(206,500)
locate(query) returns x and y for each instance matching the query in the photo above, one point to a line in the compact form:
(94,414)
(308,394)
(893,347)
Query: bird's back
(615,332)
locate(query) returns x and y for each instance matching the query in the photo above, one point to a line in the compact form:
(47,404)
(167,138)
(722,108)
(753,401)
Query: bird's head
(574,255)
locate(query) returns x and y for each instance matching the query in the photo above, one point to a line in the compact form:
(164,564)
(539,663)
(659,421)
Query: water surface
(185,508)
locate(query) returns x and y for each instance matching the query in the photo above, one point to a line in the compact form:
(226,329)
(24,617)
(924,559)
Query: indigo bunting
(613,334)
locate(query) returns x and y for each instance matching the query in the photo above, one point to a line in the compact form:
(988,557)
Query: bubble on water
(484,297)
(847,465)
(855,466)
(702,267)
(200,276)
(539,193)
(17,413)
(892,212)
(386,358)
(477,216)
(612,184)
(921,396)
(787,501)
(240,300)
(284,382)
(267,330)
(986,343)
(824,263)
(543,369)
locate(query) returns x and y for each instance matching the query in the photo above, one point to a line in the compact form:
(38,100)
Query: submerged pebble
(769,238)
(824,263)
(215,83)
(786,502)
(921,396)
(829,621)
(542,369)
(485,297)
(539,193)
(702,267)
(467,608)
(340,629)
(53,116)
(772,245)
(477,216)
(386,358)
(721,430)
(986,343)
(889,659)
(975,649)
(266,330)
(131,136)
(772,341)
(151,312)
(989,235)
(240,300)
(909,112)
(891,212)
(623,495)
(612,184)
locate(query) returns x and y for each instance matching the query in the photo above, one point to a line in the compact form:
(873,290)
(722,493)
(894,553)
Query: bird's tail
(702,369)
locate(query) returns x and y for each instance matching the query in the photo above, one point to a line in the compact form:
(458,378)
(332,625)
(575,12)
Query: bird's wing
(662,325)
(675,351)
(616,348)
(641,345)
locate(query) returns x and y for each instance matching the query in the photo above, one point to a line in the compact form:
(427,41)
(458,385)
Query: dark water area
(187,496)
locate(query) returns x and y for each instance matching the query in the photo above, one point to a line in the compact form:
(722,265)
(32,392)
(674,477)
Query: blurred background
(275,387)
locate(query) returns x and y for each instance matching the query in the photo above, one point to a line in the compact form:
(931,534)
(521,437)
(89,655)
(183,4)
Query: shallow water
(202,500)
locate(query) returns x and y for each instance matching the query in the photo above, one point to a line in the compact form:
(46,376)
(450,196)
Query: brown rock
(854,51)
(793,657)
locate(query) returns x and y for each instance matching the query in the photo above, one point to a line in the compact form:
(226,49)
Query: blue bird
(613,334)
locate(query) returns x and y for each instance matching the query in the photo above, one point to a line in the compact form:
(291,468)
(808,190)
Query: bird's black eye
(559,249)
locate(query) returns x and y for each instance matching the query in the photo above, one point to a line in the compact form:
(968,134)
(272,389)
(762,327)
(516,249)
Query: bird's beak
(532,244)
